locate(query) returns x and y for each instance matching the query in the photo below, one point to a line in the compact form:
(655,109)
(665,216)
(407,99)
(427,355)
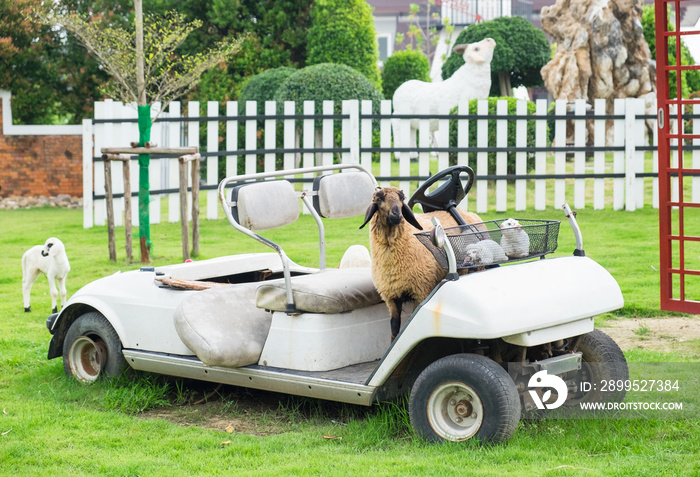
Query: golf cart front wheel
(464,396)
(92,349)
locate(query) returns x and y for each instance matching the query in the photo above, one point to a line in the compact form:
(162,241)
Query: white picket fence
(288,139)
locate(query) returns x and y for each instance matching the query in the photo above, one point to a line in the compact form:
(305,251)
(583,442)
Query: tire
(464,396)
(92,349)
(602,360)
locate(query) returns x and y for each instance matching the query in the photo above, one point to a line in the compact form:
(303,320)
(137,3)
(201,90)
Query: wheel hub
(455,411)
(85,358)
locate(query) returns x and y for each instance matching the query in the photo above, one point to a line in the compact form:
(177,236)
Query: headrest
(342,195)
(265,205)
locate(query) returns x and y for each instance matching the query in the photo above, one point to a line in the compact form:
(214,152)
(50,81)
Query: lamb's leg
(28,278)
(54,291)
(394,306)
(62,289)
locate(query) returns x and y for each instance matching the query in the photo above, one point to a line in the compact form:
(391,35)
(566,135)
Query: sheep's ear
(371,210)
(410,218)
(459,49)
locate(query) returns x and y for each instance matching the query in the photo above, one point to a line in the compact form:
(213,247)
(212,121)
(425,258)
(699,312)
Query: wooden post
(191,153)
(127,209)
(109,199)
(183,209)
(183,160)
(110,208)
(196,163)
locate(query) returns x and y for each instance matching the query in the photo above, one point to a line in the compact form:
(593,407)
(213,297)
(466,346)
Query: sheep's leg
(28,279)
(54,291)
(62,289)
(395,315)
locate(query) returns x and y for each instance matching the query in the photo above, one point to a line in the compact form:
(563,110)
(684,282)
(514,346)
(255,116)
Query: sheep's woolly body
(401,265)
(402,268)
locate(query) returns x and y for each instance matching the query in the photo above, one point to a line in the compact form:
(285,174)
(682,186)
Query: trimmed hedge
(403,66)
(342,31)
(327,81)
(263,86)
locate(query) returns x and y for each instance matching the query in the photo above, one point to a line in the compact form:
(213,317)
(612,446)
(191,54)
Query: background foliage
(690,79)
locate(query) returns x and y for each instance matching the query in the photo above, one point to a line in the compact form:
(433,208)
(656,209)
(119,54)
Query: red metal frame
(678,299)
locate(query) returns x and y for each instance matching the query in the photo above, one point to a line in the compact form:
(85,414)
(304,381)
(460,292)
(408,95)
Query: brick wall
(32,165)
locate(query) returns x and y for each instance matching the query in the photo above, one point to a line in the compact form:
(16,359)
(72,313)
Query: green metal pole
(144,121)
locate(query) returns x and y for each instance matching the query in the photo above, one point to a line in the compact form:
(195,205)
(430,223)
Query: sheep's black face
(394,204)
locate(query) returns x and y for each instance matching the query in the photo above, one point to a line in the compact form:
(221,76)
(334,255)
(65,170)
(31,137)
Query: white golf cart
(466,354)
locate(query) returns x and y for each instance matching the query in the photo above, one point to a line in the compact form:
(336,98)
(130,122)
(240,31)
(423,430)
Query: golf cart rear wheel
(92,349)
(464,396)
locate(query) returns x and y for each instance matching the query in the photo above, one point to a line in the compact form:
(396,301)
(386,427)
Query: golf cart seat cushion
(328,291)
(222,325)
(343,195)
(267,205)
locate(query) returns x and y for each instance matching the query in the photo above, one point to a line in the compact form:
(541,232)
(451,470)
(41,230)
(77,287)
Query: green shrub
(530,162)
(402,66)
(327,81)
(342,31)
(262,87)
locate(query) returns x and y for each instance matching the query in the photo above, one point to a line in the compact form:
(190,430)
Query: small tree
(343,32)
(424,37)
(145,70)
(521,51)
(403,66)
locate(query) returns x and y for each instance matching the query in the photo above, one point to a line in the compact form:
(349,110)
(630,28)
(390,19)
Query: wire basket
(486,243)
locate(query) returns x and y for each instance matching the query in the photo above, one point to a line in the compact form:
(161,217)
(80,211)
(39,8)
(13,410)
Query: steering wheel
(448,195)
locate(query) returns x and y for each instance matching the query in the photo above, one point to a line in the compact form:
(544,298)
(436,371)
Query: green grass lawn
(148,425)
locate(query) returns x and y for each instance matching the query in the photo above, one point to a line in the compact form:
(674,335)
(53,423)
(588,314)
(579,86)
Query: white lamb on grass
(471,81)
(50,259)
(514,240)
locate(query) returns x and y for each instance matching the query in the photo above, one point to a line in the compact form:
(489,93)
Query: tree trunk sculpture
(601,52)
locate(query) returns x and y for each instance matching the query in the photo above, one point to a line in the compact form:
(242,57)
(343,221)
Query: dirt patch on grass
(235,410)
(228,409)
(672,334)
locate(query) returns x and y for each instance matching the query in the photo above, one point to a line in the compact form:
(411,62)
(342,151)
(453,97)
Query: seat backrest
(265,205)
(342,195)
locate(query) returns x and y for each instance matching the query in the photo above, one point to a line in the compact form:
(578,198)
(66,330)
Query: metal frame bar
(226,204)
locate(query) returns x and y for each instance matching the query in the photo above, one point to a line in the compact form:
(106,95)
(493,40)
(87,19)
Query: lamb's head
(388,203)
(52,247)
(510,227)
(477,53)
(476,254)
